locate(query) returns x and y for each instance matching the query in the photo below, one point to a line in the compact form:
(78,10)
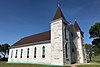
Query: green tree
(4,49)
(95,34)
(96,50)
(88,48)
(0,51)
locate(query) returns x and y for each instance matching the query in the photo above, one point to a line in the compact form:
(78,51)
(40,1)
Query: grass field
(89,65)
(94,63)
(95,59)
(4,64)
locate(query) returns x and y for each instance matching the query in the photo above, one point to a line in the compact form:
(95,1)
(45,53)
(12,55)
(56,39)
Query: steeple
(58,14)
(77,28)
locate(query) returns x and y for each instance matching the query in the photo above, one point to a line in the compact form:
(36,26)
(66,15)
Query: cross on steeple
(59,3)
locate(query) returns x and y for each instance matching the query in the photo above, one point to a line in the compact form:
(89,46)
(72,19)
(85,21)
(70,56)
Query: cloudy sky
(21,18)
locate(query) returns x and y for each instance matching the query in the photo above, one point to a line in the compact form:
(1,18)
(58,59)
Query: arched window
(21,53)
(35,52)
(16,53)
(65,32)
(28,53)
(11,53)
(43,52)
(71,34)
(73,49)
(66,50)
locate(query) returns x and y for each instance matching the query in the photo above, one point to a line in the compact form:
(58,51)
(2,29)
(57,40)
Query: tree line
(4,50)
(94,48)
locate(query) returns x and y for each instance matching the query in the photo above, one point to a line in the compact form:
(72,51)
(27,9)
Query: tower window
(43,52)
(73,50)
(71,34)
(35,52)
(21,53)
(28,53)
(16,53)
(65,32)
(66,50)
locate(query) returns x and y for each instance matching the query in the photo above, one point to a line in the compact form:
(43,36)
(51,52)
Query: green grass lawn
(95,59)
(4,64)
(94,63)
(90,65)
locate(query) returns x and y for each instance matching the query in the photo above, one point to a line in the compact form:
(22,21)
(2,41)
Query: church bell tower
(57,28)
(80,45)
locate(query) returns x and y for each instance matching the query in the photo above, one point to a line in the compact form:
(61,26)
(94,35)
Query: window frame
(28,53)
(35,49)
(21,53)
(43,52)
(16,53)
(11,53)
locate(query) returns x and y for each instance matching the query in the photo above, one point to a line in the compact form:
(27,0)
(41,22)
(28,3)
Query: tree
(88,48)
(4,49)
(95,30)
(95,34)
(0,51)
(96,50)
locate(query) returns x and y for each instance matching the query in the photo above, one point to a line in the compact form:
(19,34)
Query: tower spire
(59,3)
(58,14)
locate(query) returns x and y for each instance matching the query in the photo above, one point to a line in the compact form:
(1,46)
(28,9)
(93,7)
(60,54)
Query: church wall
(73,44)
(80,48)
(31,59)
(66,45)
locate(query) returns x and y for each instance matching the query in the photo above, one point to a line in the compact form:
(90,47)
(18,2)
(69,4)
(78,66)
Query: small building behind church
(61,45)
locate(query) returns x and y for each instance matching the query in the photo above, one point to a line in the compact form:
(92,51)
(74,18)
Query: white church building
(61,45)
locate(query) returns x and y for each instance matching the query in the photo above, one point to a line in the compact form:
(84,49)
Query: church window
(35,52)
(16,53)
(66,50)
(65,32)
(71,34)
(21,53)
(11,53)
(73,50)
(43,52)
(28,53)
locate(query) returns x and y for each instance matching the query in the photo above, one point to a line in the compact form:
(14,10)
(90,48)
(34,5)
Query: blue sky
(21,18)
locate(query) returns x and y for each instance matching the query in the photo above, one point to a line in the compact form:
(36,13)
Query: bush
(3,59)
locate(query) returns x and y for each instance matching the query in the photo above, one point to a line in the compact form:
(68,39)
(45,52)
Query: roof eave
(29,44)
